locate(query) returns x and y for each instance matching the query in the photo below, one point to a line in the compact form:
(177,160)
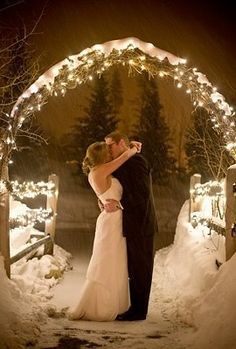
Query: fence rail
(29,249)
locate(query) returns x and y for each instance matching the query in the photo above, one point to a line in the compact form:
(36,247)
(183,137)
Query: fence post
(4,223)
(50,226)
(230,215)
(193,205)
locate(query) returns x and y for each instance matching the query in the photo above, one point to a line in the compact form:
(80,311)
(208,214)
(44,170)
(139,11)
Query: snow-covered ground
(191,303)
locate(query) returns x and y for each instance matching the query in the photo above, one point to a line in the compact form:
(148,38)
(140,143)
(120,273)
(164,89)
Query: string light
(30,217)
(28,189)
(139,57)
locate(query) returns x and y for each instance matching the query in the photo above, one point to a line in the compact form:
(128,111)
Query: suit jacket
(139,214)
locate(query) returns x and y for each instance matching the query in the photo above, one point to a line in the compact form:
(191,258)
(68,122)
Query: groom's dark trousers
(139,228)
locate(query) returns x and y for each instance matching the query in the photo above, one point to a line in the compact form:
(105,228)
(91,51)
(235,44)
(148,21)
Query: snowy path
(160,330)
(149,334)
(156,332)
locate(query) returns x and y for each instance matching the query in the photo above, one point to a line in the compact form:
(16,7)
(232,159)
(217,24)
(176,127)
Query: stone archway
(138,56)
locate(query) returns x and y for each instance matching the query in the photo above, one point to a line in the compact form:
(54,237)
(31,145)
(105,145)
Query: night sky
(201,31)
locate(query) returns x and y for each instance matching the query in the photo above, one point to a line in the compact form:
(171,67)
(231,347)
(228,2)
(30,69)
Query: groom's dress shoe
(129,316)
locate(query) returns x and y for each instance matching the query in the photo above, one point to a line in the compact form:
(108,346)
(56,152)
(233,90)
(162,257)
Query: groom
(139,225)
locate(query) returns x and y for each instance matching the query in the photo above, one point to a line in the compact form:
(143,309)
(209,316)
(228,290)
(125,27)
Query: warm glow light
(139,56)
(30,189)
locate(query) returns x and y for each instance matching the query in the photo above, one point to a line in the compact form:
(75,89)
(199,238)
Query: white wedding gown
(105,293)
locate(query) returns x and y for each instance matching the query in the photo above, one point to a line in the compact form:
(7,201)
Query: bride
(105,293)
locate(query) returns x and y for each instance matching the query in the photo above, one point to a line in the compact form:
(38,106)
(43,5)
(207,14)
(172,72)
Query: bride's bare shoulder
(94,176)
(91,177)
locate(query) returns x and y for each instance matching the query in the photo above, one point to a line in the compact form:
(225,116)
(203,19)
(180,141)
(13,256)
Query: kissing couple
(119,275)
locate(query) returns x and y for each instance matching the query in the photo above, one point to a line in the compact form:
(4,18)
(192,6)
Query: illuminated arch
(138,56)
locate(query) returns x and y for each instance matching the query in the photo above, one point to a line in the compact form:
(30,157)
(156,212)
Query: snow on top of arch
(106,48)
(145,47)
(48,77)
(217,97)
(202,79)
(75,60)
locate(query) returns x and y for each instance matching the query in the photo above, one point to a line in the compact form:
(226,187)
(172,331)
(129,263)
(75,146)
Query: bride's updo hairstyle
(96,154)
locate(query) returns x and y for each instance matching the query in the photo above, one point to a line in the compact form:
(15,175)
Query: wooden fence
(47,238)
(219,212)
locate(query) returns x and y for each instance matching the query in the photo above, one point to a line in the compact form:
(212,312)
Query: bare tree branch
(19,68)
(26,34)
(206,149)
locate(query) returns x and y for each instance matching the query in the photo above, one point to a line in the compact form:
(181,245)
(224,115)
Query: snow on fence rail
(28,217)
(214,204)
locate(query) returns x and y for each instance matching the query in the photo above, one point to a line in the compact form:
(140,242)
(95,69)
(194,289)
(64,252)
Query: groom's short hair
(117,136)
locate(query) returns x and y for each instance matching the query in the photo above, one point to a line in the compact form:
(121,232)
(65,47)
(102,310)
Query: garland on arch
(138,57)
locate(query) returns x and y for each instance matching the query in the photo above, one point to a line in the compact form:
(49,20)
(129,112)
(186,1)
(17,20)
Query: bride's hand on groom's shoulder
(137,145)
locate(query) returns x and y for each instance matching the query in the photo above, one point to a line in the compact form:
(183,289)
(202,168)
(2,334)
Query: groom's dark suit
(139,227)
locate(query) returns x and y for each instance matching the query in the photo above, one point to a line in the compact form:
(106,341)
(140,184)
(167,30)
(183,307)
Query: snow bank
(193,290)
(22,298)
(214,313)
(18,319)
(38,276)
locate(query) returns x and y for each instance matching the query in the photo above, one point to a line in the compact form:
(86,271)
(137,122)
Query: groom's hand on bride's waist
(112,205)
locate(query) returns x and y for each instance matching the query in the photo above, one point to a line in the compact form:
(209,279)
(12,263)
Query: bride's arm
(109,167)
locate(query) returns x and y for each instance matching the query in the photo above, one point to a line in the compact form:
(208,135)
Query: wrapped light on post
(233,230)
(234,189)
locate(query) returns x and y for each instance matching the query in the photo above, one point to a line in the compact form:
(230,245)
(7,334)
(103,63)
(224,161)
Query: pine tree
(205,148)
(153,131)
(116,93)
(100,120)
(94,125)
